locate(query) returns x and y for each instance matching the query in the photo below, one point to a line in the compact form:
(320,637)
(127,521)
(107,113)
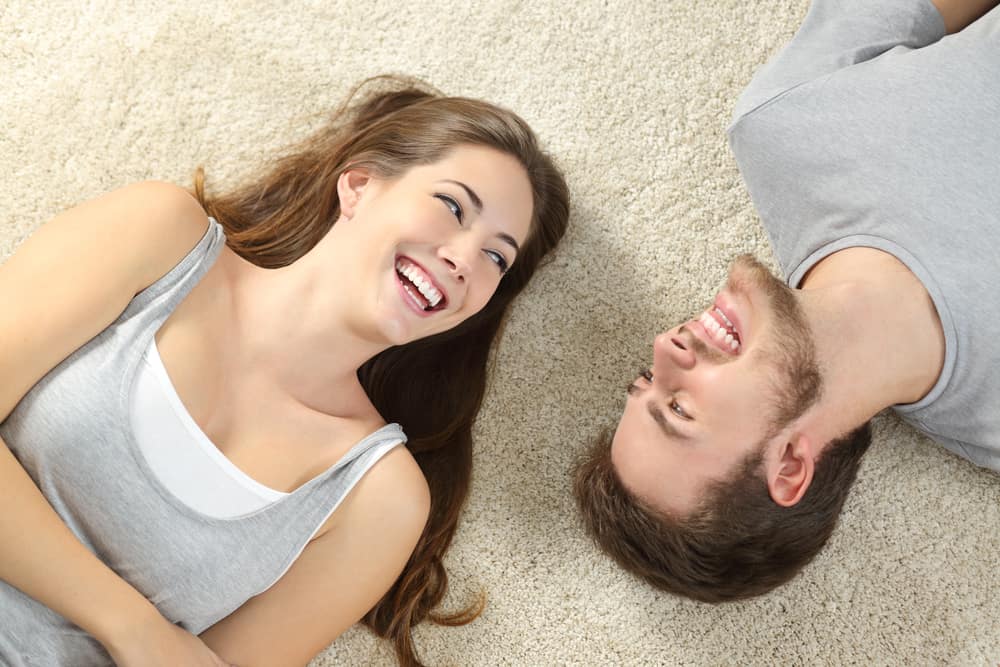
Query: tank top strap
(362,456)
(324,493)
(170,289)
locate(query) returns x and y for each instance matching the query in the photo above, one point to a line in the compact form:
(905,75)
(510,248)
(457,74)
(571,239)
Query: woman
(205,389)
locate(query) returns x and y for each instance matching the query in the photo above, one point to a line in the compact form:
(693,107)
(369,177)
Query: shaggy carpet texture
(633,99)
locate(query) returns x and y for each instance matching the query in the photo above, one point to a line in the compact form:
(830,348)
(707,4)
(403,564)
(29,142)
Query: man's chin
(747,272)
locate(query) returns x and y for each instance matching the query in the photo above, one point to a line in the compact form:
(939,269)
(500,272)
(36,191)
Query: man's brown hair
(737,544)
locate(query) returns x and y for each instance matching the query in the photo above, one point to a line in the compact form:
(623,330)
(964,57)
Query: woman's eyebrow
(509,240)
(476,201)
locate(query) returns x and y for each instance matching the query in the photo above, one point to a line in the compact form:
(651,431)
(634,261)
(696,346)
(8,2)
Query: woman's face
(431,246)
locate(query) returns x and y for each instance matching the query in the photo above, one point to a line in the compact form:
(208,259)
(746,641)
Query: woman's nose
(456,257)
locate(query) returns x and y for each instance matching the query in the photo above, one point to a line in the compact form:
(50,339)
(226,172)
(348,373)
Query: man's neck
(877,332)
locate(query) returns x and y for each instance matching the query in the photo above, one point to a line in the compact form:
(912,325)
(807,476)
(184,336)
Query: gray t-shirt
(873,128)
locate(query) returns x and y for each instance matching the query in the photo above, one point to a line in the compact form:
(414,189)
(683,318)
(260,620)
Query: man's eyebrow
(661,420)
(478,203)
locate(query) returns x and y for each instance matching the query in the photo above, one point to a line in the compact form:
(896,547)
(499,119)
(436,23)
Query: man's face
(721,386)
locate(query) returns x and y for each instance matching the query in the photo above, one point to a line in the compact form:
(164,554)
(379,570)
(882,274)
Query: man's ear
(790,472)
(351,185)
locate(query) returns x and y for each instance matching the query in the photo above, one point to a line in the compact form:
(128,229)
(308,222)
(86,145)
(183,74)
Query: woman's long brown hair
(433,387)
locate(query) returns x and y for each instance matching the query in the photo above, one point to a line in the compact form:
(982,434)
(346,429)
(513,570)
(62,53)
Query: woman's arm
(340,575)
(67,283)
(957,14)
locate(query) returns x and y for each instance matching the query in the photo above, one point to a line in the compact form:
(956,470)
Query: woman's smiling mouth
(418,285)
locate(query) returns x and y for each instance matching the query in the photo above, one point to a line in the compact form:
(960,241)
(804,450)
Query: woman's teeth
(723,333)
(426,289)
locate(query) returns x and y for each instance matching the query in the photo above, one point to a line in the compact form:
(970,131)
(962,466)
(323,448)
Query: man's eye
(646,373)
(679,410)
(453,206)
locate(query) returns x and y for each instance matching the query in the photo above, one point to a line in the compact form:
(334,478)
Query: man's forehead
(669,474)
(640,454)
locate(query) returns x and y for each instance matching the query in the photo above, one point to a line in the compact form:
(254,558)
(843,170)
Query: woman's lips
(420,290)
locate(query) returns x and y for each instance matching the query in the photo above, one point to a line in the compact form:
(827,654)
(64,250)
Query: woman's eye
(679,410)
(453,206)
(498,259)
(647,373)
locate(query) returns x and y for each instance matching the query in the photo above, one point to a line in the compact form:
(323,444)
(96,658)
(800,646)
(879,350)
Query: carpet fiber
(633,99)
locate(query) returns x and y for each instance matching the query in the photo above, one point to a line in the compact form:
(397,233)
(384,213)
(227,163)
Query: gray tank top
(71,433)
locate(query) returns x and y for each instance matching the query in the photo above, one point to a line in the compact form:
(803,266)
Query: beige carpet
(633,98)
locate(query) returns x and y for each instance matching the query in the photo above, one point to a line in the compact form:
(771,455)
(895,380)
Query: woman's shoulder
(76,273)
(393,493)
(158,222)
(394,485)
(399,484)
(355,418)
(140,230)
(397,473)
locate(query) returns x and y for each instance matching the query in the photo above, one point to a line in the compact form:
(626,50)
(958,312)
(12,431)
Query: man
(871,150)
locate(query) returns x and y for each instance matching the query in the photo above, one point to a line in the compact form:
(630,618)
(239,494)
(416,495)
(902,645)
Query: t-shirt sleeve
(837,34)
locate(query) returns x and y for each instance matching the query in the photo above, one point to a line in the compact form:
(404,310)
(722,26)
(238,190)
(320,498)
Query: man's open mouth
(721,328)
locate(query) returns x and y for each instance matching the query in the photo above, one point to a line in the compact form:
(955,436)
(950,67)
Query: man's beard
(790,353)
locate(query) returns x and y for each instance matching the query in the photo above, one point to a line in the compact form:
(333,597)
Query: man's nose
(670,350)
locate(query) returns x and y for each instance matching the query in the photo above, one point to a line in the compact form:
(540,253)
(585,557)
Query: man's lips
(727,304)
(699,331)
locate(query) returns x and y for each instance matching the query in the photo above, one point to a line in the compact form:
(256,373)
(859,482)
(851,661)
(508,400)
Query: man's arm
(959,13)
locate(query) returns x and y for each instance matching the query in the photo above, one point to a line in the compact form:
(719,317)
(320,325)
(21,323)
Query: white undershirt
(179,453)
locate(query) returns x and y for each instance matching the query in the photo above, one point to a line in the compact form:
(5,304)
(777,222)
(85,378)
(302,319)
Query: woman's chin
(401,327)
(396,330)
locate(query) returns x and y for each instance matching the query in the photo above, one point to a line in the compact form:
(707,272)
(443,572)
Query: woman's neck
(294,329)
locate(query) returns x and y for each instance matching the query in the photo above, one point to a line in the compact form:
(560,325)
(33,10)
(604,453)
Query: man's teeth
(427,290)
(718,311)
(721,333)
